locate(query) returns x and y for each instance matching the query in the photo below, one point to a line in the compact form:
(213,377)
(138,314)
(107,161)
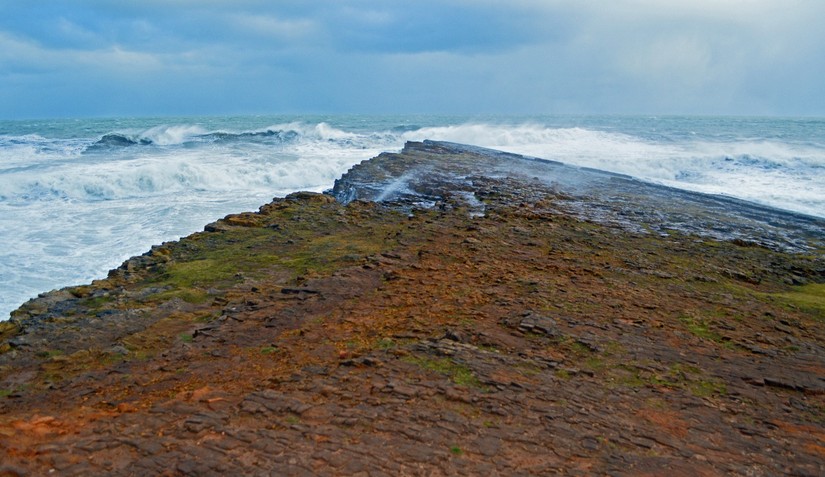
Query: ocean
(79,196)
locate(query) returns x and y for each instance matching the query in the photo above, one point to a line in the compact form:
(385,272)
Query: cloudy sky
(80,58)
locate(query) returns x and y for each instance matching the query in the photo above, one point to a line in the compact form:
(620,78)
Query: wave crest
(752,169)
(186,134)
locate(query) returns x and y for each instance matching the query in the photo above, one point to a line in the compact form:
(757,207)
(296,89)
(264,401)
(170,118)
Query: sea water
(77,197)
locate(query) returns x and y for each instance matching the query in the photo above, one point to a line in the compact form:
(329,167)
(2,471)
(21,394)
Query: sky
(87,58)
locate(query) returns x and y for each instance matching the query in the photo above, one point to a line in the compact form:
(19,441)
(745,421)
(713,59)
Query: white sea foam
(73,206)
(162,175)
(172,135)
(780,174)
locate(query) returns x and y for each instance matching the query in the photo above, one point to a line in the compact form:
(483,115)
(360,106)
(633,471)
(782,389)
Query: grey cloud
(531,56)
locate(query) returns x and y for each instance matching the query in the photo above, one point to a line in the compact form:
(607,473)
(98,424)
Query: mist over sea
(77,197)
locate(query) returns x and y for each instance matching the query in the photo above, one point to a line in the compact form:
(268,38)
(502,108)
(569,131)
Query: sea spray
(77,197)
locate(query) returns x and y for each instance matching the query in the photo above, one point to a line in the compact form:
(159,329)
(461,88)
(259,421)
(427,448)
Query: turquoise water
(77,197)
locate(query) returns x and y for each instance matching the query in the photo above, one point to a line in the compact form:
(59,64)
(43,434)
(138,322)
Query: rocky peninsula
(447,310)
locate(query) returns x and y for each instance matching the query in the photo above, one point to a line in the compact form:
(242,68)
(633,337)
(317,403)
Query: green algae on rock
(455,310)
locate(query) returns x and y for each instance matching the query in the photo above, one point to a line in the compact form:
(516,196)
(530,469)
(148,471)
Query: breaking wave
(175,158)
(188,134)
(784,174)
(76,201)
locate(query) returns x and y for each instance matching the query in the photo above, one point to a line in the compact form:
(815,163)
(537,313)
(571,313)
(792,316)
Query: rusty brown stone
(532,331)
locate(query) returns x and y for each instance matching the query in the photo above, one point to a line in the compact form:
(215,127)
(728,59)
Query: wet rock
(486,314)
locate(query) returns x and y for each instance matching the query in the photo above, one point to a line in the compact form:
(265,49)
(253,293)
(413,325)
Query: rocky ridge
(446,310)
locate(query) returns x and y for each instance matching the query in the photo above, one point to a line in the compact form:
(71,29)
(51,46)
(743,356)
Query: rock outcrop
(444,310)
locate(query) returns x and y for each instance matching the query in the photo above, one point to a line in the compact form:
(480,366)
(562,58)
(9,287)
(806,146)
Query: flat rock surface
(444,311)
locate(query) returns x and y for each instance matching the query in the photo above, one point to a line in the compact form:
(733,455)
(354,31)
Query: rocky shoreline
(447,310)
